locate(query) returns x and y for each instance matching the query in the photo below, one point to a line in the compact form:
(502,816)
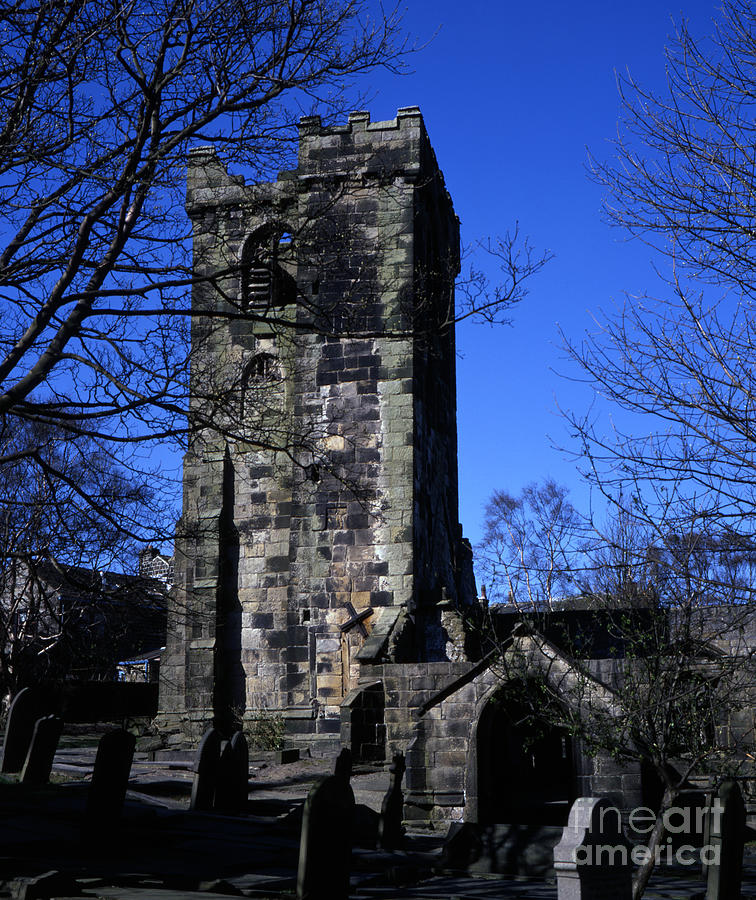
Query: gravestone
(343,766)
(110,777)
(22,716)
(727,825)
(44,743)
(325,847)
(390,831)
(233,775)
(206,765)
(592,860)
(240,751)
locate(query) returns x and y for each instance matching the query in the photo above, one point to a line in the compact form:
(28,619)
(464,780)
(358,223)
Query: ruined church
(322,579)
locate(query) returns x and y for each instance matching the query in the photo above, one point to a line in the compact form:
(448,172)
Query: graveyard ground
(159,850)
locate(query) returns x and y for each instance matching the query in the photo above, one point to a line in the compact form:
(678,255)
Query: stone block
(455,759)
(446,778)
(462,711)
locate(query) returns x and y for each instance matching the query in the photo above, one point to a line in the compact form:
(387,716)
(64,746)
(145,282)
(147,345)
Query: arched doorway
(525,772)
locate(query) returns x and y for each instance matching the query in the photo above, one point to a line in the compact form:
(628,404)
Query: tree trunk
(658,833)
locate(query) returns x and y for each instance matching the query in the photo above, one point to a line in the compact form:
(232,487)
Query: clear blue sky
(512,95)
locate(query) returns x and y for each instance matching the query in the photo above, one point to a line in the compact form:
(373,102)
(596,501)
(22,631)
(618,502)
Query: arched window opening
(258,380)
(260,368)
(265,283)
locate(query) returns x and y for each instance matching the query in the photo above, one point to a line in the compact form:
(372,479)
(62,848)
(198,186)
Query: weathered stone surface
(325,847)
(44,743)
(727,831)
(390,831)
(592,859)
(110,778)
(207,762)
(287,755)
(232,783)
(22,716)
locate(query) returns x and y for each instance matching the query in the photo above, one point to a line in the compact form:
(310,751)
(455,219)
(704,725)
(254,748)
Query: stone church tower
(319,536)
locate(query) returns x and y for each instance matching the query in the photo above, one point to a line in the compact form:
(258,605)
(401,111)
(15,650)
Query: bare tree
(69,515)
(531,546)
(680,363)
(669,609)
(100,104)
(678,456)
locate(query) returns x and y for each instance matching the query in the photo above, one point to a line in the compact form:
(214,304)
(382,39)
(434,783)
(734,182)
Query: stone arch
(266,262)
(514,773)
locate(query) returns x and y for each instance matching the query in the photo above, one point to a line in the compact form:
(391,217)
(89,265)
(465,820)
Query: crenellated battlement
(407,117)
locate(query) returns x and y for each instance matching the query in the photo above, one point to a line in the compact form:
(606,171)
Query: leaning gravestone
(233,775)
(22,716)
(390,831)
(727,826)
(206,765)
(325,848)
(44,743)
(110,777)
(592,860)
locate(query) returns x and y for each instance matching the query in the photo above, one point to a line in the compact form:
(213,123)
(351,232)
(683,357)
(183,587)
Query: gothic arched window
(265,283)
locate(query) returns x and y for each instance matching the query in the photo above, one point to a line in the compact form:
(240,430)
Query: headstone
(390,831)
(206,764)
(240,750)
(22,715)
(727,827)
(343,766)
(592,860)
(233,775)
(110,777)
(44,743)
(325,848)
